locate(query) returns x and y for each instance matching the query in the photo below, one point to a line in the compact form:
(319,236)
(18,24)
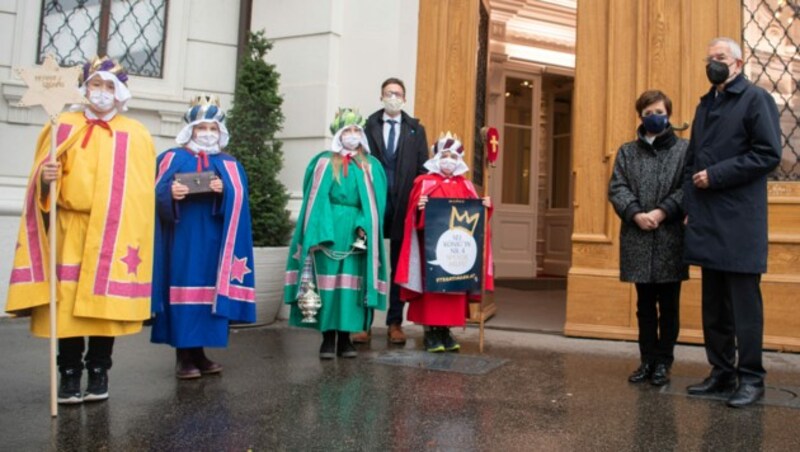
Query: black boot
(97,388)
(641,374)
(660,375)
(185,369)
(205,365)
(344,347)
(69,389)
(328,348)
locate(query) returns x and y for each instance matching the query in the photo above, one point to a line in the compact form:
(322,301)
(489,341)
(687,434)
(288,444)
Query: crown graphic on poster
(464,220)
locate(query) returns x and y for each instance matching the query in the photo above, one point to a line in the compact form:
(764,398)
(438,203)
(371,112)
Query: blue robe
(203,267)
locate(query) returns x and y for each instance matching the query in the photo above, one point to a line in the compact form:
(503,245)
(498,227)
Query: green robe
(331,212)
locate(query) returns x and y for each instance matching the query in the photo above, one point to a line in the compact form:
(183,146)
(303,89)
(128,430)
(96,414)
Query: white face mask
(447,165)
(351,142)
(102,100)
(207,138)
(393,105)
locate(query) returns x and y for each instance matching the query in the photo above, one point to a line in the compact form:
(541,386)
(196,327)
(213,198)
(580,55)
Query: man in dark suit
(399,142)
(735,144)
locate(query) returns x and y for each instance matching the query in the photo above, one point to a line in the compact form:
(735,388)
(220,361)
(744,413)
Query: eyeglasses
(398,94)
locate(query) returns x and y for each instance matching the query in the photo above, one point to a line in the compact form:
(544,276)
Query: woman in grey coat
(645,190)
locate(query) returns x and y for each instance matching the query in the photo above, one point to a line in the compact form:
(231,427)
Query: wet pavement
(535,392)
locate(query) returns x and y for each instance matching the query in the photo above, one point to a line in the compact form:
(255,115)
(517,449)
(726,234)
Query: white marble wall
(330,53)
(200,56)
(333,53)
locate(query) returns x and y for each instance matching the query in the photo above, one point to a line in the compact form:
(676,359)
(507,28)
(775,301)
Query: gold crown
(103,64)
(204,100)
(464,220)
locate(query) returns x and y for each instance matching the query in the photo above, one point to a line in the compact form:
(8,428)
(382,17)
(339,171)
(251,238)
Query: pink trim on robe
(223,281)
(111,229)
(68,273)
(36,271)
(164,165)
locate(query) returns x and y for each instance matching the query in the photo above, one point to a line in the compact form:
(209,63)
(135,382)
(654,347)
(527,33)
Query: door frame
(550,266)
(524,264)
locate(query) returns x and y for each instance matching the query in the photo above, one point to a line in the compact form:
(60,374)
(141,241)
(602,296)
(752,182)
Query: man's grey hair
(736,51)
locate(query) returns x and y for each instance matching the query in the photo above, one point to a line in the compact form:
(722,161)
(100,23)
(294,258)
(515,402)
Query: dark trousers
(657,309)
(70,352)
(733,319)
(395,314)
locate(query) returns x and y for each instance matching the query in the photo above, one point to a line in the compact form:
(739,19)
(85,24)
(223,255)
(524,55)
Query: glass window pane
(516,165)
(771,37)
(69,30)
(136,36)
(519,101)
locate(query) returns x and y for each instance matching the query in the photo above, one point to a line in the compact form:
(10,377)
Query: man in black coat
(399,142)
(735,144)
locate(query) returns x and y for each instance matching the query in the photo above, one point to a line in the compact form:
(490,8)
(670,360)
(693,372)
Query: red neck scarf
(92,123)
(202,161)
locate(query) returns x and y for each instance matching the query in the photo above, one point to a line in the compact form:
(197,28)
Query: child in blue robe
(203,270)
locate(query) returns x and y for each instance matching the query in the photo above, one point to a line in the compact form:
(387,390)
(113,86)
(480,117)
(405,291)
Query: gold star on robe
(50,86)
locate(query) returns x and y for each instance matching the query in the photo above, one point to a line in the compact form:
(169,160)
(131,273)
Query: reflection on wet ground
(547,394)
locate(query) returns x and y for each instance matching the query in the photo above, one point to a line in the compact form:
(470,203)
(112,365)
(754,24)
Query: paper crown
(204,107)
(346,117)
(448,142)
(105,64)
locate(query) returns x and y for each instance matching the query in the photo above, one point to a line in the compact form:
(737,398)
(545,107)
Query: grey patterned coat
(647,177)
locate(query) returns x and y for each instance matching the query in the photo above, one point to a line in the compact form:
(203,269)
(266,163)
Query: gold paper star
(50,86)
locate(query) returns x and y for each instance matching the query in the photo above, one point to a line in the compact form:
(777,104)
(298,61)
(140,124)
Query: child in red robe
(436,311)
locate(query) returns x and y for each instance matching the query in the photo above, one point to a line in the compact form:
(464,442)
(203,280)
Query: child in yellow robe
(105,168)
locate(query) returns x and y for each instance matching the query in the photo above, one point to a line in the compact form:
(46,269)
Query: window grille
(130,31)
(771,36)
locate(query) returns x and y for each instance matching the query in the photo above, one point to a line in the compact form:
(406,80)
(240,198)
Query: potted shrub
(253,121)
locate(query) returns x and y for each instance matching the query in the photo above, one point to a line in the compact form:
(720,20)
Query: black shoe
(641,374)
(328,348)
(660,375)
(450,343)
(746,394)
(433,341)
(185,369)
(203,364)
(713,385)
(344,347)
(97,389)
(69,390)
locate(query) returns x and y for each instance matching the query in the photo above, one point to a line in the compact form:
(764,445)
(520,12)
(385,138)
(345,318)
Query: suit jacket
(411,153)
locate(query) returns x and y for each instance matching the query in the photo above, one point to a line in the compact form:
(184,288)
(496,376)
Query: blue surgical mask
(655,123)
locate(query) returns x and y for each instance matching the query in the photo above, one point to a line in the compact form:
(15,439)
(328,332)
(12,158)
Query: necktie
(390,145)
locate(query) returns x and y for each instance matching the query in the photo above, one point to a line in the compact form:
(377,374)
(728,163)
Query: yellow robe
(105,224)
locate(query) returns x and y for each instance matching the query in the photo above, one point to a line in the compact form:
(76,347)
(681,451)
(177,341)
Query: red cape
(410,265)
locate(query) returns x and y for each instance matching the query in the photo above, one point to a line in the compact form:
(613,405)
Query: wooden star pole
(51,87)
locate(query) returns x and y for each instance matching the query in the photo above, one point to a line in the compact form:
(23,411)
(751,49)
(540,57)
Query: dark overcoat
(411,154)
(646,177)
(736,138)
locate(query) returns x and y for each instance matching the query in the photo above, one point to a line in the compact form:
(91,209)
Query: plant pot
(269,267)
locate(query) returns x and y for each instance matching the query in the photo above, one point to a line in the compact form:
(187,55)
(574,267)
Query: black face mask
(717,72)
